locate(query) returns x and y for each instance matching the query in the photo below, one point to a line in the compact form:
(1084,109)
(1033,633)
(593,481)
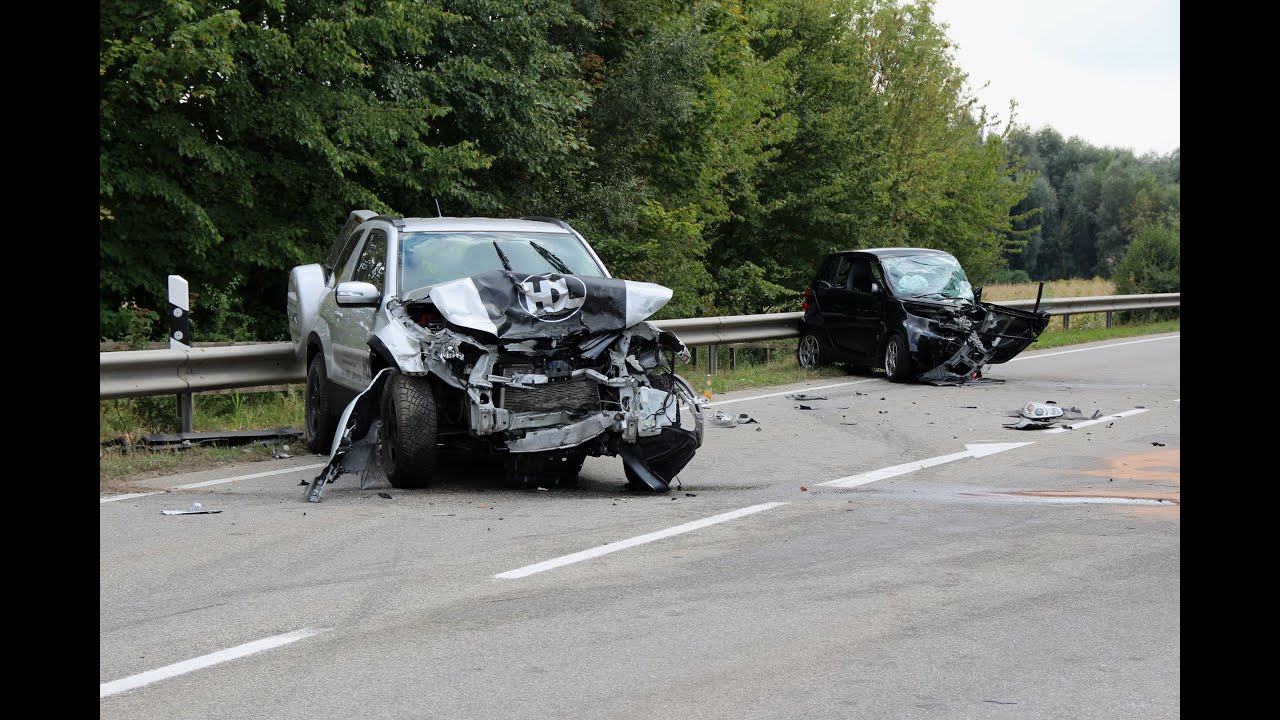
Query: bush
(1152,264)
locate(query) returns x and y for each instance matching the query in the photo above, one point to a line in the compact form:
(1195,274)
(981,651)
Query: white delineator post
(180,339)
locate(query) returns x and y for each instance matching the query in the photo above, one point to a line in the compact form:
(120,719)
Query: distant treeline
(1087,204)
(717,147)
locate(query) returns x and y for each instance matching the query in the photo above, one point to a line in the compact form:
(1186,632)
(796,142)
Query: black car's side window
(877,275)
(372,266)
(860,275)
(837,272)
(828,274)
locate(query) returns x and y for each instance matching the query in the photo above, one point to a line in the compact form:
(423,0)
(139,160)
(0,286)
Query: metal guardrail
(137,373)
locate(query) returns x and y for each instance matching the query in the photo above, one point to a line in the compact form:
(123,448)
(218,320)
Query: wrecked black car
(910,311)
(425,336)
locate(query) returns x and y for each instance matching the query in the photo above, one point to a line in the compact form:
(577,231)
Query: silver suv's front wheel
(407,437)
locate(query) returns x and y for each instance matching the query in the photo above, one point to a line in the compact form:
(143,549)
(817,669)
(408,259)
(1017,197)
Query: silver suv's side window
(372,265)
(342,265)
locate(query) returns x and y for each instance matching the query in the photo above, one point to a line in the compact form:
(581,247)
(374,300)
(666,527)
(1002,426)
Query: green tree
(1152,262)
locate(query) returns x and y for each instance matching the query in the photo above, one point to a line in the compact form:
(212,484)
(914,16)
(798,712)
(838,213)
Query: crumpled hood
(518,306)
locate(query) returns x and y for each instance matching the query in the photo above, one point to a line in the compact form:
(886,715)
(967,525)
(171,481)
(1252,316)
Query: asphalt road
(892,552)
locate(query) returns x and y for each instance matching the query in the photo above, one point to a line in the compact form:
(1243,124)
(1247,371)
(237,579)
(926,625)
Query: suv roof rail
(395,220)
(547,219)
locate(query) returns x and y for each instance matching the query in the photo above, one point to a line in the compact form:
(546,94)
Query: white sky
(1104,70)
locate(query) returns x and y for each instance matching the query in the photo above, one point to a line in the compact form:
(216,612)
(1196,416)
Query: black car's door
(866,311)
(835,301)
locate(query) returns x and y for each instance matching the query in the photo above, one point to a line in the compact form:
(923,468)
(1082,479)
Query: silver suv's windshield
(429,258)
(927,276)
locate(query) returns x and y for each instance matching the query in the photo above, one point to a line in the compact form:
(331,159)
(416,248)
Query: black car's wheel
(407,441)
(809,352)
(897,359)
(320,423)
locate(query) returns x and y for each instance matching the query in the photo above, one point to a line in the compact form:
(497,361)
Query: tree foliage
(1088,204)
(719,147)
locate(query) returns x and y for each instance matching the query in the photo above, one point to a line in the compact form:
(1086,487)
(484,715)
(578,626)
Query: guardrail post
(712,352)
(180,339)
(1066,322)
(1109,314)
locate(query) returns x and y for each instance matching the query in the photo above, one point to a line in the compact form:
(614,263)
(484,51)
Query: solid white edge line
(1100,347)
(189,486)
(1087,423)
(204,661)
(127,496)
(206,483)
(632,542)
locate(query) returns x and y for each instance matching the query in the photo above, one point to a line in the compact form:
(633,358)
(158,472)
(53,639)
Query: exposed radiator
(572,395)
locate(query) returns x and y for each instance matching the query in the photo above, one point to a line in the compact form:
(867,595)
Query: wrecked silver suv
(426,336)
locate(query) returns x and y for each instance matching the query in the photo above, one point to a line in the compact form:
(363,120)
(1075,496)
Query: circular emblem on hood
(552,297)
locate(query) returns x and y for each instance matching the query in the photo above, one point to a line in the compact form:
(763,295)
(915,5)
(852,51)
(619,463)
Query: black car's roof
(894,252)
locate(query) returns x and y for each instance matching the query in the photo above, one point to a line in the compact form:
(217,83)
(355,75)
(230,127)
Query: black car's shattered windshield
(928,276)
(430,258)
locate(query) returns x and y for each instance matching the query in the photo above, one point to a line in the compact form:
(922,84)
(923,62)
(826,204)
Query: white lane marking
(204,661)
(970,451)
(1087,423)
(206,483)
(126,496)
(791,392)
(1100,347)
(632,542)
(860,382)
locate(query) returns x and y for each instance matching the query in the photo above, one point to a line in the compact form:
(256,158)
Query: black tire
(566,471)
(320,421)
(810,353)
(407,440)
(897,359)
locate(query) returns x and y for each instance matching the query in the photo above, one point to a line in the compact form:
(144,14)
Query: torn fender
(353,443)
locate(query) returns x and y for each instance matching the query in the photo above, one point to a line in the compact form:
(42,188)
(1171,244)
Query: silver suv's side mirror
(353,293)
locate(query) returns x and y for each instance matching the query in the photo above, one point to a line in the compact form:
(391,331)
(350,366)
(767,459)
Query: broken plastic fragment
(722,420)
(195,509)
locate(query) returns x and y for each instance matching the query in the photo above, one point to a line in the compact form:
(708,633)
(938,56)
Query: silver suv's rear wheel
(320,424)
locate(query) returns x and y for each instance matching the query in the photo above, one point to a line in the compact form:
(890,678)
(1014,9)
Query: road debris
(195,509)
(1036,416)
(385,495)
(802,397)
(803,407)
(723,420)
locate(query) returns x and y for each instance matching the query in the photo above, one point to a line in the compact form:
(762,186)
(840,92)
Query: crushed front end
(547,370)
(950,342)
